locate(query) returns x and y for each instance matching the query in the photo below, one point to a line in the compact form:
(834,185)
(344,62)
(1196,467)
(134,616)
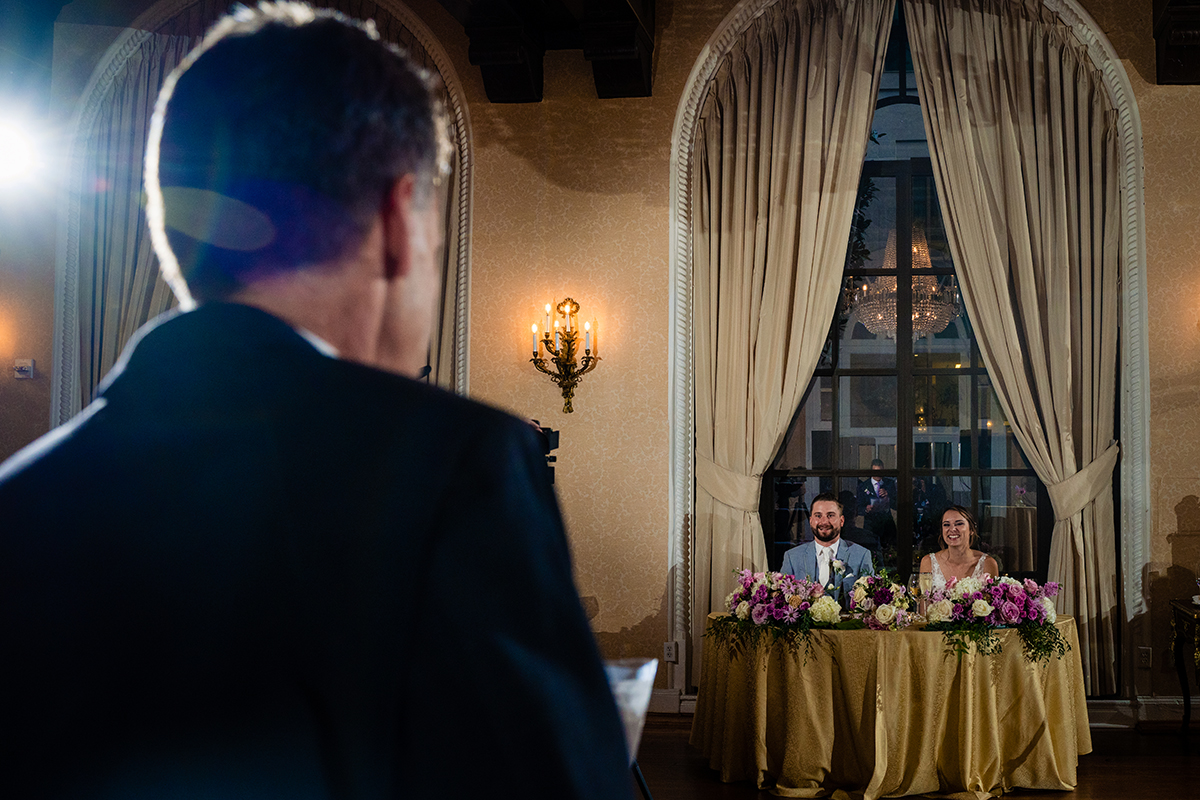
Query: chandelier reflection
(934,303)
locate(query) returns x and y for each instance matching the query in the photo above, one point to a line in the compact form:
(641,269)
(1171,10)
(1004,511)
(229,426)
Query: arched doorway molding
(1135,358)
(64,402)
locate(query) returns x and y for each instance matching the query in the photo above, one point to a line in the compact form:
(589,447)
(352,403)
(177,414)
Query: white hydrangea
(968,586)
(981,608)
(886,614)
(1051,613)
(743,610)
(826,610)
(940,611)
(732,595)
(1012,582)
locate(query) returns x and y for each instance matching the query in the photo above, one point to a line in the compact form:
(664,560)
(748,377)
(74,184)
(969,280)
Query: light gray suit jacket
(801,561)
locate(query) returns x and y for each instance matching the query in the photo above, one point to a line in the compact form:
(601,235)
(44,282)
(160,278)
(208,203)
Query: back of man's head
(275,143)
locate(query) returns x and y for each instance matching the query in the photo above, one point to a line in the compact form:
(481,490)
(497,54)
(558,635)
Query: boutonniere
(839,566)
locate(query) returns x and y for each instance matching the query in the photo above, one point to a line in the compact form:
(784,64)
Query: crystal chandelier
(934,305)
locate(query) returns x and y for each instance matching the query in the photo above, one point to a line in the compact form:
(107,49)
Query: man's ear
(397,220)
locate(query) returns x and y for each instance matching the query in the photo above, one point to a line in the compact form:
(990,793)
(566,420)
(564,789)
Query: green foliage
(1042,641)
(743,634)
(961,635)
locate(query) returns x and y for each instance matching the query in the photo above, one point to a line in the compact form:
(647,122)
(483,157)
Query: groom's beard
(826,533)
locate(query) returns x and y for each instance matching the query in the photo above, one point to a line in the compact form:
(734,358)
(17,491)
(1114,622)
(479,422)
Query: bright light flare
(18,154)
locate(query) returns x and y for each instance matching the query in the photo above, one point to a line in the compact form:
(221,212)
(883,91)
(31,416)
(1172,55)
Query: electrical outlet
(1144,656)
(670,652)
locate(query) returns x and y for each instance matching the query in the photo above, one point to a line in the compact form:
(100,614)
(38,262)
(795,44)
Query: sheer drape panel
(1025,158)
(778,152)
(119,284)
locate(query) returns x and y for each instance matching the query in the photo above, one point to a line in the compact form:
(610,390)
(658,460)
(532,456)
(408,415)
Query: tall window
(900,419)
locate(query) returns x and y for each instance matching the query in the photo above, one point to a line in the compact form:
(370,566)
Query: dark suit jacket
(249,570)
(868,496)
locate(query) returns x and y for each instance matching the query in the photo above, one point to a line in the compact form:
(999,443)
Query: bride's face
(955,529)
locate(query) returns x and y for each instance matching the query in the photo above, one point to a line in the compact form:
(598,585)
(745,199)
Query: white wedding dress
(939,580)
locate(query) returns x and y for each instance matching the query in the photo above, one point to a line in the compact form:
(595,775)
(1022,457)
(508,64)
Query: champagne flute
(925,585)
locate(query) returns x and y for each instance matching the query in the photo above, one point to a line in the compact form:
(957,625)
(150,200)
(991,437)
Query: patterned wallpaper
(571,198)
(1171,133)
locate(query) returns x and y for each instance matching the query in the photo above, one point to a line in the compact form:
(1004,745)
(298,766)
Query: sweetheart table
(869,714)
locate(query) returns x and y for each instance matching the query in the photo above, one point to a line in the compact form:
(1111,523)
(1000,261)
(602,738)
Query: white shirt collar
(323,347)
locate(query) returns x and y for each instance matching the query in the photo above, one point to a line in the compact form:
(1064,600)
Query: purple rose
(1010,612)
(759,614)
(1031,587)
(804,606)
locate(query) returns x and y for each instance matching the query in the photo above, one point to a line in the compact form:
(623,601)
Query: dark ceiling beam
(509,39)
(1177,41)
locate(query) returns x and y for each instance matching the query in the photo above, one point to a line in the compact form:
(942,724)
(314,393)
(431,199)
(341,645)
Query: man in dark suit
(876,501)
(249,568)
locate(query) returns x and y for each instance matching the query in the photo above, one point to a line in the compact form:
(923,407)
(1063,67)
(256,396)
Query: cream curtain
(119,285)
(779,147)
(1025,158)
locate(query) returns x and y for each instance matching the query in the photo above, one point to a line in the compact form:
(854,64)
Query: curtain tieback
(726,486)
(1072,495)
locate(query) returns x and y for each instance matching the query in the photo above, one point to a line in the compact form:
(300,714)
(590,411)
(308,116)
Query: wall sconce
(561,347)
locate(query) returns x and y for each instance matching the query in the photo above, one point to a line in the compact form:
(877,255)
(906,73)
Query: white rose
(886,614)
(826,610)
(860,594)
(981,608)
(968,586)
(1051,614)
(743,610)
(940,611)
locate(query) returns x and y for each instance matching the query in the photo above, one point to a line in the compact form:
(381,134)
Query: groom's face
(826,521)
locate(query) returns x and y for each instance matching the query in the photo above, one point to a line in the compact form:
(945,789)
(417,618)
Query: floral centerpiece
(881,603)
(972,609)
(769,606)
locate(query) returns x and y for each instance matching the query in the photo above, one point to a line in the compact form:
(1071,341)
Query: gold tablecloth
(872,714)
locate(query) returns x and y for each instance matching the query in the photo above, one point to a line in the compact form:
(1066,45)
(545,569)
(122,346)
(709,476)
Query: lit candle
(535,344)
(587,336)
(547,317)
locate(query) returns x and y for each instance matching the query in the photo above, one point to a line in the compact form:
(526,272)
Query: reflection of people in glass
(820,559)
(789,509)
(929,501)
(876,499)
(957,559)
(854,533)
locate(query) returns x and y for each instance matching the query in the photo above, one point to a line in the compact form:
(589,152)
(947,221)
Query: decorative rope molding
(1135,402)
(65,390)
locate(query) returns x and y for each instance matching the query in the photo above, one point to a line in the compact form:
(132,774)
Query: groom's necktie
(823,554)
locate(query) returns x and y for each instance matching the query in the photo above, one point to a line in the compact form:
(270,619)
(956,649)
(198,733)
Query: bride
(957,559)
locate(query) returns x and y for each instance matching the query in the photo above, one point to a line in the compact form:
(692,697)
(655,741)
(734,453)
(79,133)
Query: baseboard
(1140,711)
(1101,713)
(664,701)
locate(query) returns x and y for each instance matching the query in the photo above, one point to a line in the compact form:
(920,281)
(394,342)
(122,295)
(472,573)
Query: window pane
(1008,526)
(809,443)
(867,421)
(931,497)
(997,443)
(942,408)
(950,349)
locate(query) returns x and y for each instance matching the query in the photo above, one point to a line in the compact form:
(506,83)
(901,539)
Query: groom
(828,559)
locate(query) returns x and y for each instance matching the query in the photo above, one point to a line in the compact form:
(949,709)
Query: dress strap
(979,567)
(939,580)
